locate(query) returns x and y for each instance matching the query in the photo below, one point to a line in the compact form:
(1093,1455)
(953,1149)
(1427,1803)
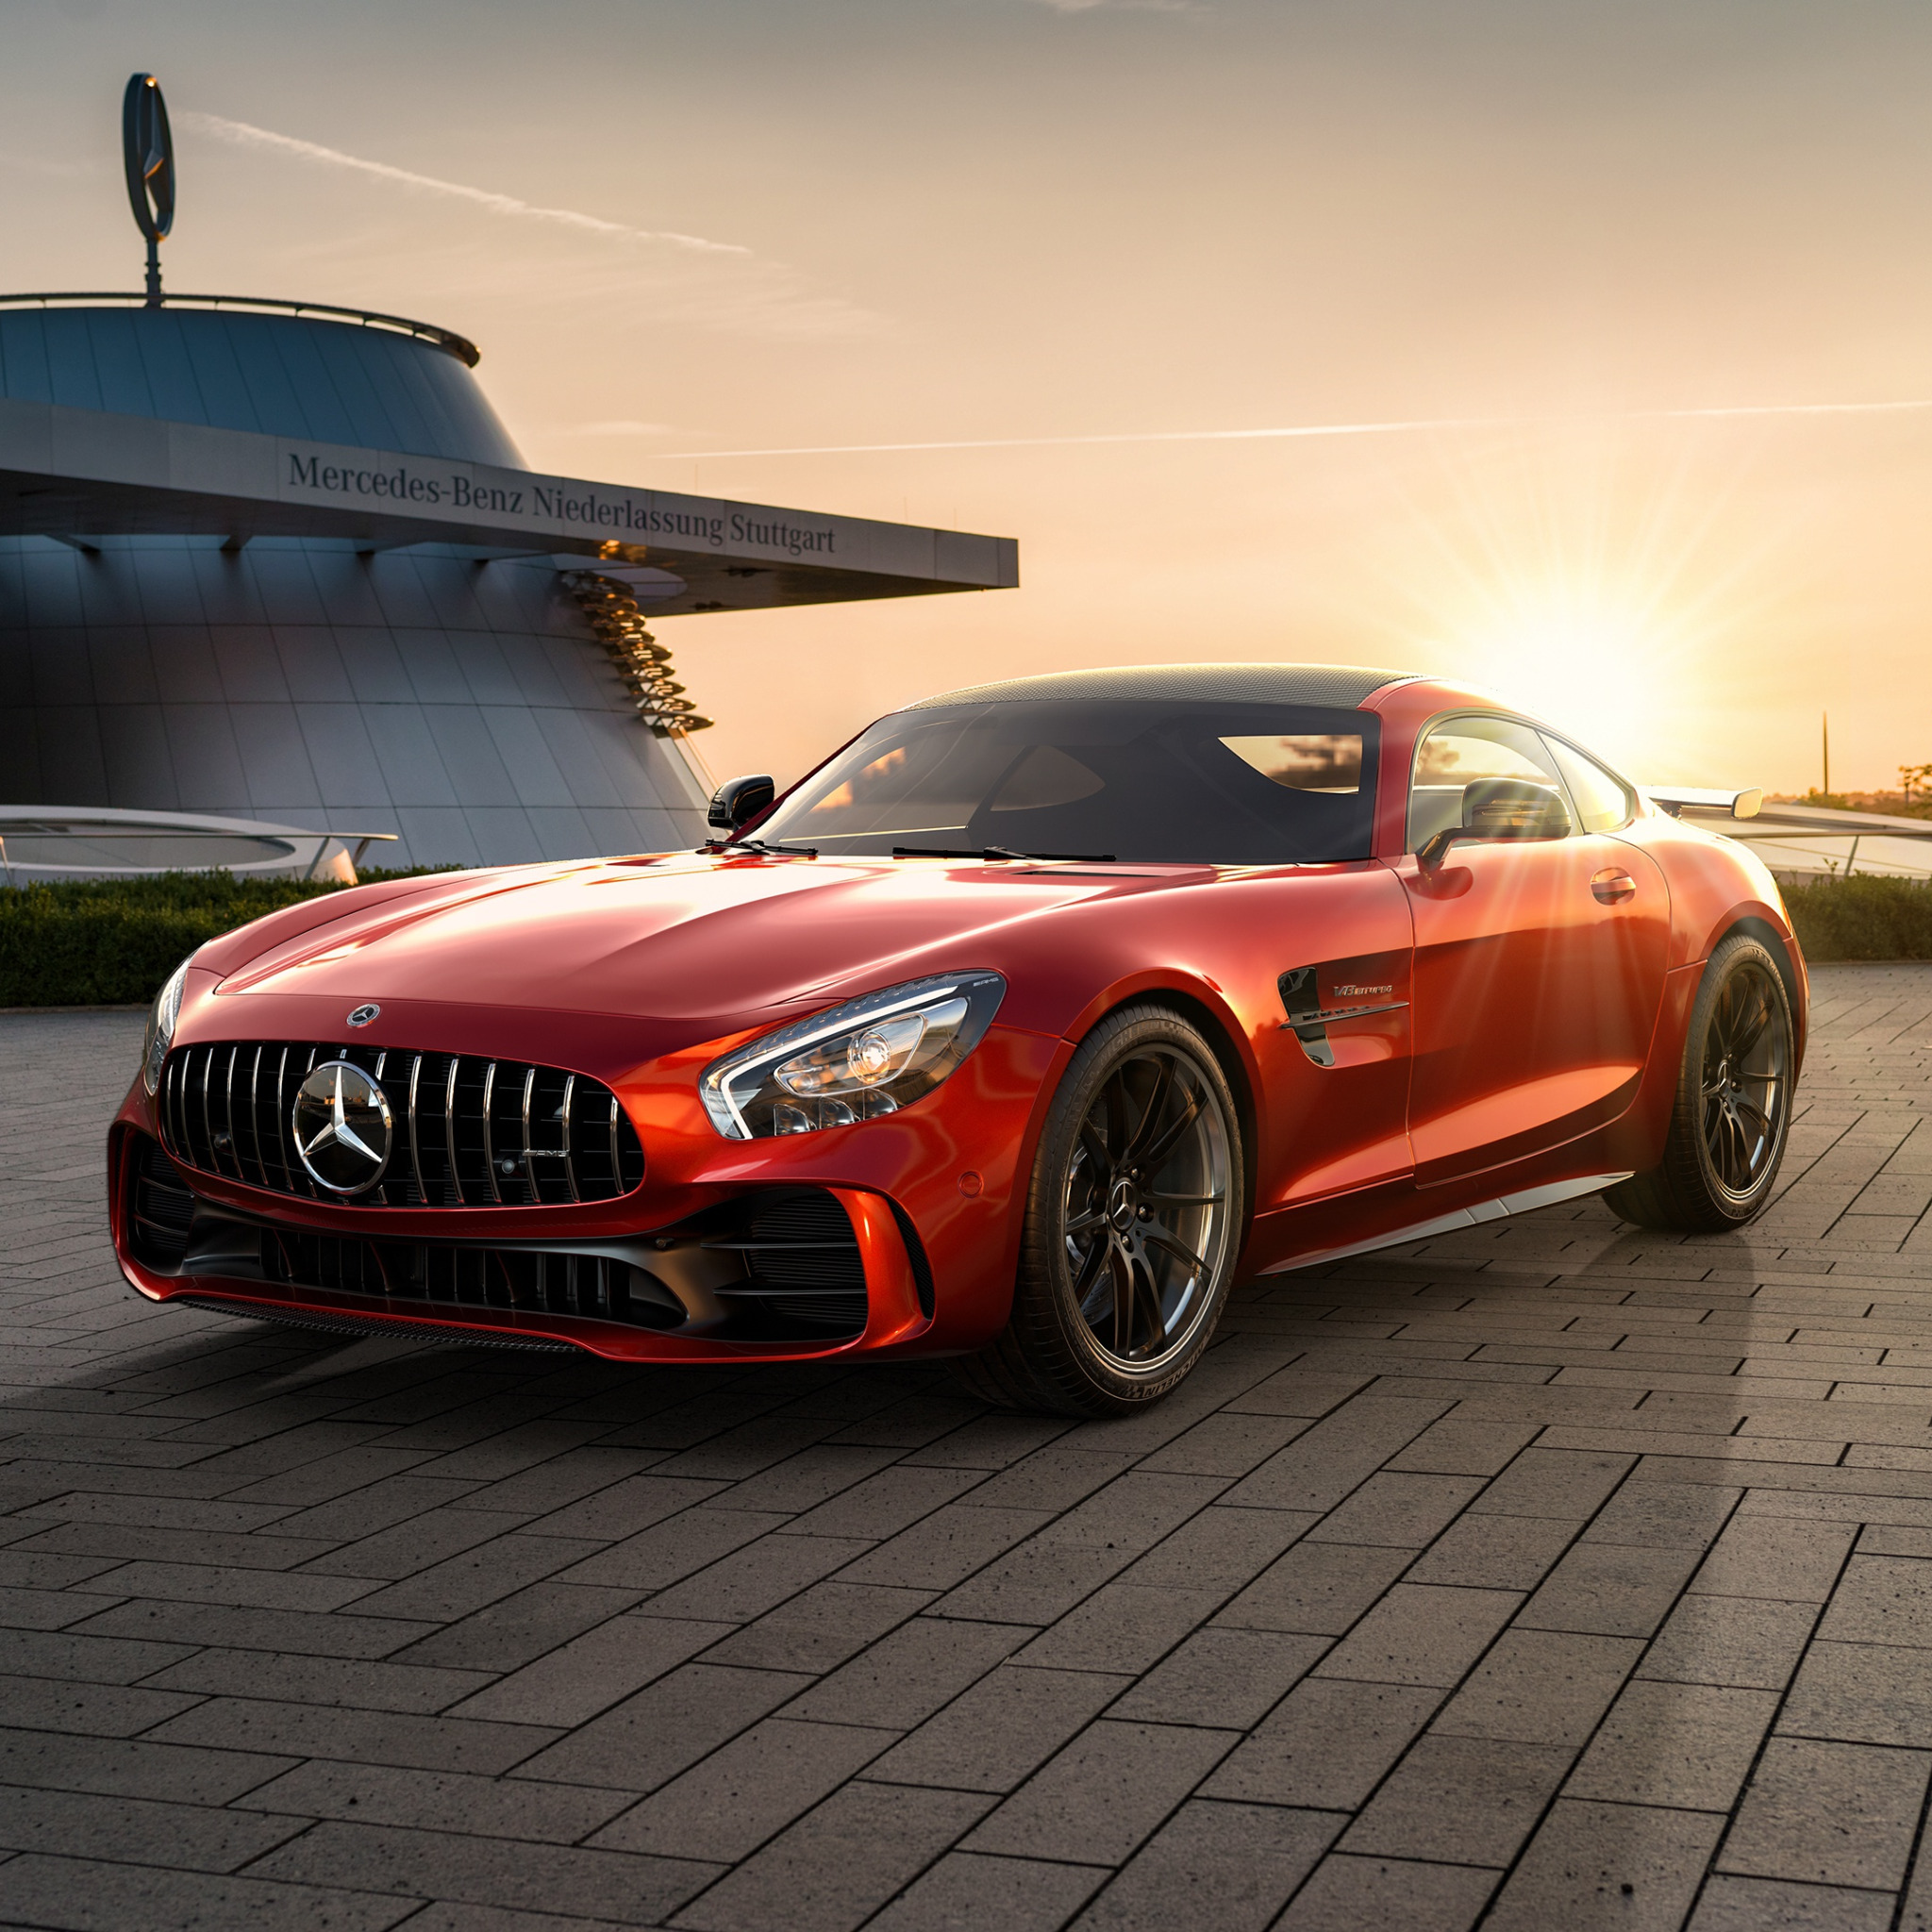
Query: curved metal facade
(462,704)
(276,375)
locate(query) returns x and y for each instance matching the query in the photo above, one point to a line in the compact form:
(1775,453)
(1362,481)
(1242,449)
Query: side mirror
(1497,809)
(738,801)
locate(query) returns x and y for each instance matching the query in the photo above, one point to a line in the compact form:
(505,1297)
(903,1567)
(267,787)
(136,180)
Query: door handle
(1613,886)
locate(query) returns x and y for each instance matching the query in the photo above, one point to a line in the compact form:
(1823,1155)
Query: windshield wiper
(759,845)
(999,852)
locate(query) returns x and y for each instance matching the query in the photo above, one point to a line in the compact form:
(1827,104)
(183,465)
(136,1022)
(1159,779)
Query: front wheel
(1132,1224)
(1733,1109)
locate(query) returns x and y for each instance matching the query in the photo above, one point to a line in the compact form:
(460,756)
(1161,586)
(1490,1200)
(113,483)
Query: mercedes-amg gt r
(1016,1032)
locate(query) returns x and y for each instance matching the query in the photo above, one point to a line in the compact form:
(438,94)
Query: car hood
(678,939)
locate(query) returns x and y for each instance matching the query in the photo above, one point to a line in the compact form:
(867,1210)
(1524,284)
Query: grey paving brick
(1540,1686)
(98,1710)
(752,1581)
(1122,1627)
(631,1890)
(1317,1588)
(1226,1679)
(731,1802)
(1494,1552)
(838,1864)
(1569,1485)
(267,1590)
(309,1730)
(1764,1556)
(351,1682)
(1864,1694)
(966,1890)
(886,1502)
(664,1728)
(821,1626)
(1457,1445)
(1054,1477)
(91,1896)
(1322,1465)
(1664,1515)
(1829,1814)
(910,1673)
(511,1808)
(1227,1444)
(517,1630)
(573,1682)
(1768,1905)
(1881,1600)
(1611,1588)
(1402,1511)
(238,1627)
(621,1509)
(130,1767)
(458,1585)
(84,1658)
(1299,1390)
(1103,1793)
(1684,1744)
(1421,1633)
(657,1558)
(1471,1800)
(137,1831)
(1751,1641)
(1221,1548)
(1592,1868)
(1326,1745)
(947,1547)
(1357,1895)
(1037,1582)
(995,1733)
(1229,1866)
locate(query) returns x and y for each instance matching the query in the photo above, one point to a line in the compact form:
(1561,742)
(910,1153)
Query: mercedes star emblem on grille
(343,1127)
(362,1015)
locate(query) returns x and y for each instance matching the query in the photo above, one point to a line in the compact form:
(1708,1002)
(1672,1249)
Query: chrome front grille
(468,1132)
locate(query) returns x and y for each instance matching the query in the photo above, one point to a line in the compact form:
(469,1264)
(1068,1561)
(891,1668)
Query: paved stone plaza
(1553,1576)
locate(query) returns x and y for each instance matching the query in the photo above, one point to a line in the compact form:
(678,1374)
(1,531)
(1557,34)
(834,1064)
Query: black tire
(1138,1175)
(1732,1115)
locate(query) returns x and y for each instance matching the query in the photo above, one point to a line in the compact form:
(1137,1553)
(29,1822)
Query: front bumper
(912,1250)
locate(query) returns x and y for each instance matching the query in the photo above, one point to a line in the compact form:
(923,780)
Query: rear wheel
(1733,1107)
(1132,1224)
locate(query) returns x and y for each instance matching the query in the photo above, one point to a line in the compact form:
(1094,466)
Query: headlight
(160,1026)
(855,1062)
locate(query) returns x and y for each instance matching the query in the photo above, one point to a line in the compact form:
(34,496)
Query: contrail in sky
(1401,426)
(240,134)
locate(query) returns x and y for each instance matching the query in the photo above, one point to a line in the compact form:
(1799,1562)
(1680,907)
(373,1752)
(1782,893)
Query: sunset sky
(1612,268)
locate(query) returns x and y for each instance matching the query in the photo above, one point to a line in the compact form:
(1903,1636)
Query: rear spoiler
(1679,799)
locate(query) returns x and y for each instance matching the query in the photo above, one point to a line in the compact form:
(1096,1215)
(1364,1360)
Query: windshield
(1220,784)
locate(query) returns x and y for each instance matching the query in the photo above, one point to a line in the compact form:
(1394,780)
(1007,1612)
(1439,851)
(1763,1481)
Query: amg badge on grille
(362,1015)
(343,1127)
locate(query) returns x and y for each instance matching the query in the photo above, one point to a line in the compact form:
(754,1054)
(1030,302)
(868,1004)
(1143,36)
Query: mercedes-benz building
(283,562)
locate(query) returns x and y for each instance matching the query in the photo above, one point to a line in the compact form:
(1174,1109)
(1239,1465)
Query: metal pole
(1825,718)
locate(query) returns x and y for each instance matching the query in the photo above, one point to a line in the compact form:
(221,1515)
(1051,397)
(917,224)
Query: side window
(1459,751)
(1602,802)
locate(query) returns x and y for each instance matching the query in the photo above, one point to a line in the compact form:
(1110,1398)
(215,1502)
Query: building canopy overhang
(77,475)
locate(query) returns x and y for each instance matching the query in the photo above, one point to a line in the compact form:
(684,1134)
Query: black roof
(1343,686)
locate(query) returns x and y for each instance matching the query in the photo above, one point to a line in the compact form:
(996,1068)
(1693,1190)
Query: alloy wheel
(1745,1084)
(1146,1209)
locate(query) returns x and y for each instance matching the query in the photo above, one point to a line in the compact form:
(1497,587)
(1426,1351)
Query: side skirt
(1498,1209)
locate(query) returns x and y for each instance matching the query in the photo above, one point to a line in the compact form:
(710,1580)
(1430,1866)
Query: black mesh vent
(801,1258)
(160,1206)
(467,1132)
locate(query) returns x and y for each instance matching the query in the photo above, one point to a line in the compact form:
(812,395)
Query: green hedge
(112,942)
(1867,916)
(102,944)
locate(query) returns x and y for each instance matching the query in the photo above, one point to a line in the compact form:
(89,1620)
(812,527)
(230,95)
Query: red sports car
(1016,1032)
